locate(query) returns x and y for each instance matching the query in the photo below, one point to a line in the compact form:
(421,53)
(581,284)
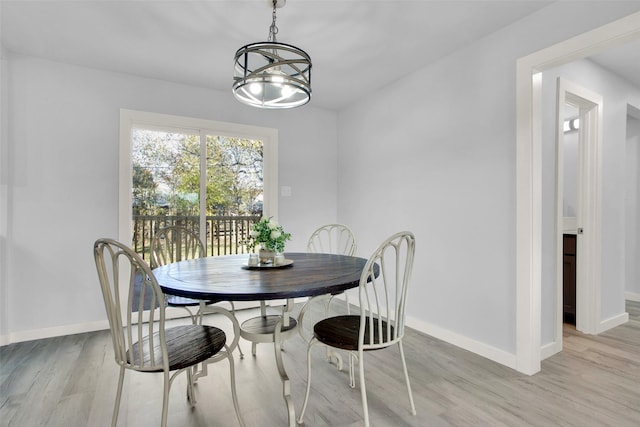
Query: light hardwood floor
(594,381)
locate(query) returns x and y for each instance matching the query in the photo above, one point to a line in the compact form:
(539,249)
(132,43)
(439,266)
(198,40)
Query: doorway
(632,205)
(528,167)
(578,214)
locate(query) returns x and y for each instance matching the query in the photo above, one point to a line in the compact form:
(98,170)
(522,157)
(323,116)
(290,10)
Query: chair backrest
(137,345)
(332,239)
(383,291)
(173,244)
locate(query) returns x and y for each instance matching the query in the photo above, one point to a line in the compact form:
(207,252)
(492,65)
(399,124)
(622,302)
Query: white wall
(617,93)
(632,211)
(4,203)
(63,179)
(435,153)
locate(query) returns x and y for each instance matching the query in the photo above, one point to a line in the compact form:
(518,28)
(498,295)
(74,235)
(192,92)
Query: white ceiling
(355,46)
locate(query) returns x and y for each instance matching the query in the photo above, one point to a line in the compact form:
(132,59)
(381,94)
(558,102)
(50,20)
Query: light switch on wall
(285,191)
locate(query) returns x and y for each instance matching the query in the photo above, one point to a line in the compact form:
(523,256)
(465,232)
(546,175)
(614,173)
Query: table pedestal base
(275,329)
(262,328)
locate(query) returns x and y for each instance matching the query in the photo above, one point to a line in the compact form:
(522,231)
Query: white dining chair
(330,239)
(382,297)
(148,345)
(173,244)
(333,239)
(177,243)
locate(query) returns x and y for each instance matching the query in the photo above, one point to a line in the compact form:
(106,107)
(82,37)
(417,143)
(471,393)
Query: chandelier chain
(273,29)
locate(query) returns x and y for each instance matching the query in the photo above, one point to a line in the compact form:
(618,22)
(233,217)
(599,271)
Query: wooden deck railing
(224,236)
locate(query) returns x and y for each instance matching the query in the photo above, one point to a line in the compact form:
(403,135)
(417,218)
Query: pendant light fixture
(272,74)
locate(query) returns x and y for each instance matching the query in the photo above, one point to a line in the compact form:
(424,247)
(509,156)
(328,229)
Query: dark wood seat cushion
(186,346)
(342,332)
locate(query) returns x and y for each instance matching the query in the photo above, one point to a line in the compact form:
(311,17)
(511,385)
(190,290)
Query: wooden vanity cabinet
(569,278)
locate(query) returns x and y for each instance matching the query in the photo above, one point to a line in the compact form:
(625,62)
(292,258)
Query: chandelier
(272,74)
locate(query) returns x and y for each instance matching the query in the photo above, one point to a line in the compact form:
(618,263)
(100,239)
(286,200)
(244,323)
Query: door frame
(529,173)
(589,224)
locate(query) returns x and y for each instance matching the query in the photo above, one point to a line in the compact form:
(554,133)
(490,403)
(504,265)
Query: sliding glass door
(208,179)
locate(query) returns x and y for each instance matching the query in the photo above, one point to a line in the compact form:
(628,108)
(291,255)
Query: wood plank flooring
(594,381)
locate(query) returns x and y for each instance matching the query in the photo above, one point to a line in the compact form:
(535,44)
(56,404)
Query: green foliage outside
(166,174)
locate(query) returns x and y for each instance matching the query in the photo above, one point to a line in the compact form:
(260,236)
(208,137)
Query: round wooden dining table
(230,278)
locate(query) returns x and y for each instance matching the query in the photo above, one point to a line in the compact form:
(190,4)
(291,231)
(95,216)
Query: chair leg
(306,395)
(191,396)
(406,377)
(240,351)
(234,395)
(230,315)
(346,299)
(165,398)
(116,407)
(197,320)
(352,373)
(233,312)
(331,353)
(363,389)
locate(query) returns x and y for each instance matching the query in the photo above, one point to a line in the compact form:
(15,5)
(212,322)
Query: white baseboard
(612,322)
(492,353)
(36,334)
(550,349)
(79,328)
(632,296)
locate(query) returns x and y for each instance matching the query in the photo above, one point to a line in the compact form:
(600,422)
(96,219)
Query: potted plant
(269,237)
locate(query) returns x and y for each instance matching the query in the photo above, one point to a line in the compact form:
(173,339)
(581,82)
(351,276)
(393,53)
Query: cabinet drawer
(569,245)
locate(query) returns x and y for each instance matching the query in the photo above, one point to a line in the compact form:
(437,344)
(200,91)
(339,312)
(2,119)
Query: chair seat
(176,301)
(187,345)
(342,332)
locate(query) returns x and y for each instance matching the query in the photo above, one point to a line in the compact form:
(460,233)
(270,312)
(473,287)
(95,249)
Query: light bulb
(255,88)
(287,91)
